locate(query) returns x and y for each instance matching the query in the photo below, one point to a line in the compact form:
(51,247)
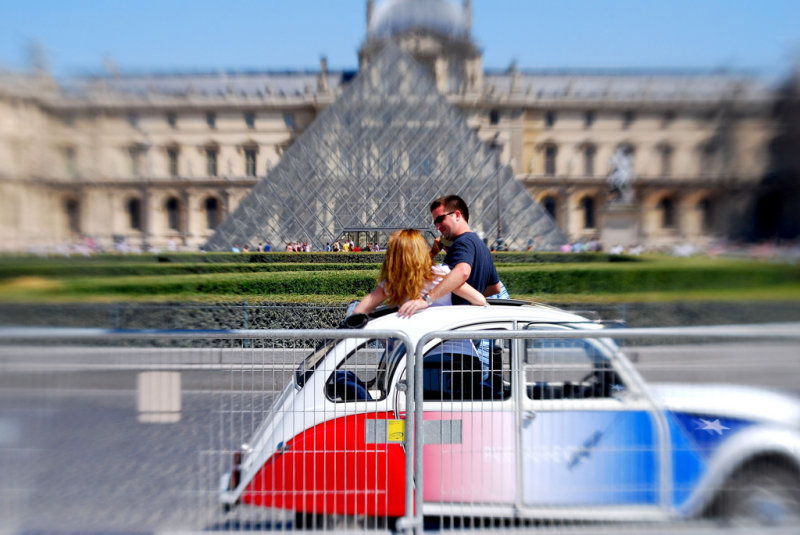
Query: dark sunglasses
(439,219)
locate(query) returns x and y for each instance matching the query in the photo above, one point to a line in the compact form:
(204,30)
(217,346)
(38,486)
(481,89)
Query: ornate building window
(550,153)
(70,161)
(627,119)
(134,210)
(549,119)
(250,119)
(667,119)
(212,212)
(708,157)
(665,158)
(136,153)
(588,209)
(706,209)
(172,161)
(172,120)
(72,209)
(589,153)
(666,206)
(211,119)
(173,208)
(250,161)
(211,161)
(589,118)
(455,76)
(494,116)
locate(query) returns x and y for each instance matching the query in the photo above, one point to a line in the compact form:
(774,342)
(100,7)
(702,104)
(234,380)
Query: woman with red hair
(408,273)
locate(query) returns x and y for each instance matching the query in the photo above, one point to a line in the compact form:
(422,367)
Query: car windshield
(365,374)
(309,364)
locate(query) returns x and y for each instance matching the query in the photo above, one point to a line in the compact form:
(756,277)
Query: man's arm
(470,294)
(453,280)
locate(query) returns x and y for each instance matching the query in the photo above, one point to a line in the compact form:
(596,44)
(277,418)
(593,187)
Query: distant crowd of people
(305,247)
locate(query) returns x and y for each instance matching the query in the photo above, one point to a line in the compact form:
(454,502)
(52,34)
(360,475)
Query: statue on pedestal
(620,179)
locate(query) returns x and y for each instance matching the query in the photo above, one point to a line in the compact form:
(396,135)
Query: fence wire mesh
(518,427)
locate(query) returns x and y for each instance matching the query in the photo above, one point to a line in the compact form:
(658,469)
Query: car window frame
(495,404)
(629,398)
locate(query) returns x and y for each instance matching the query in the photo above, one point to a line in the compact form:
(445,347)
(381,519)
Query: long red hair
(406,267)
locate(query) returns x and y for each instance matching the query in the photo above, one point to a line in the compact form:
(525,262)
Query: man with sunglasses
(467,256)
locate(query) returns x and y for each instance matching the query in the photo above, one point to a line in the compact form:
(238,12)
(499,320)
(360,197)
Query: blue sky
(761,36)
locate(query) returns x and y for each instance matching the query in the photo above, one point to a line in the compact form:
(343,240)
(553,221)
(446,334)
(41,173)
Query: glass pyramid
(374,160)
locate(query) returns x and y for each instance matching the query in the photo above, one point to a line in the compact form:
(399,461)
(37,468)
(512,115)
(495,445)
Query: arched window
(134,209)
(667,208)
(706,208)
(550,205)
(172,206)
(72,209)
(588,208)
(212,212)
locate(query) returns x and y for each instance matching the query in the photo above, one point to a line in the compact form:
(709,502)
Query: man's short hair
(452,203)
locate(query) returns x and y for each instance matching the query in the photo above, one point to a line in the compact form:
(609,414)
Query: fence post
(409,524)
(246,341)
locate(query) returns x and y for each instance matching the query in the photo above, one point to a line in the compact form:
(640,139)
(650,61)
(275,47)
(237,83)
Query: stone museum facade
(158,162)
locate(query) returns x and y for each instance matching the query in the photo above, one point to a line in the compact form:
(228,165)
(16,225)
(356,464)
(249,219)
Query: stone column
(185,232)
(145,215)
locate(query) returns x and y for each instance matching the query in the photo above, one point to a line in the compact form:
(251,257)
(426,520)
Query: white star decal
(712,426)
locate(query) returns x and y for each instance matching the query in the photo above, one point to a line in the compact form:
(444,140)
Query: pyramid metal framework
(375,159)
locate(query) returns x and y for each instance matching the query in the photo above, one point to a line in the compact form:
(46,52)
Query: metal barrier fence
(517,427)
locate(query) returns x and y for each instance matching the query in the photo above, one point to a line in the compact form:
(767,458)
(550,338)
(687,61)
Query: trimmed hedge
(588,279)
(544,279)
(505,257)
(509,257)
(325,283)
(147,269)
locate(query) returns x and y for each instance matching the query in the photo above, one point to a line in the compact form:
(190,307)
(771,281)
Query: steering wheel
(347,386)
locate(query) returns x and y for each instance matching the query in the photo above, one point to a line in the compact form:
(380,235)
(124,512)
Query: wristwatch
(427,299)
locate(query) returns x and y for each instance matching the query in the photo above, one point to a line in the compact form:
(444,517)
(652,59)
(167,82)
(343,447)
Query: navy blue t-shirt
(470,249)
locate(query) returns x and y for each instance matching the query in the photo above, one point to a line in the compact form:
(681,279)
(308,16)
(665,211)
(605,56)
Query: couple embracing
(410,281)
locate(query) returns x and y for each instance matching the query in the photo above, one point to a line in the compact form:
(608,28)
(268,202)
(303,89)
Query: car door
(470,452)
(588,438)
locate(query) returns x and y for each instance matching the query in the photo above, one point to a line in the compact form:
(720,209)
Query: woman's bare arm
(371,301)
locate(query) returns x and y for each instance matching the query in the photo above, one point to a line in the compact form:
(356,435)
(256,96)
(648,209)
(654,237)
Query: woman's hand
(412,306)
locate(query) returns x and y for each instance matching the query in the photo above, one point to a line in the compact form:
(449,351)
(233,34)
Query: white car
(539,428)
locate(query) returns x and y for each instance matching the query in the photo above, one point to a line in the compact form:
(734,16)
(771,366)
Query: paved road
(75,455)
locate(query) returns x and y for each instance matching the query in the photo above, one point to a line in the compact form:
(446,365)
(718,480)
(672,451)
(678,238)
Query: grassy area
(649,279)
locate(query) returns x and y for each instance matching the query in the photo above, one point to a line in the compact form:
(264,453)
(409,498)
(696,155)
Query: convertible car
(515,429)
